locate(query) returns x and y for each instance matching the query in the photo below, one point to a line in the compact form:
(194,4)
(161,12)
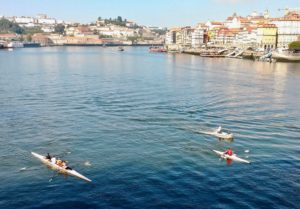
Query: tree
(295,45)
(33,30)
(119,19)
(59,29)
(99,18)
(95,32)
(7,26)
(29,38)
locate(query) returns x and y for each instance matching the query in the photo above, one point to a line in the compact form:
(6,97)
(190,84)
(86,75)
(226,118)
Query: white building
(197,37)
(48,29)
(288,29)
(233,22)
(170,37)
(247,37)
(46,21)
(24,20)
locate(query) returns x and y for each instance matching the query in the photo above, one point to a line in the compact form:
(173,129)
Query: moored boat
(286,56)
(15,44)
(157,49)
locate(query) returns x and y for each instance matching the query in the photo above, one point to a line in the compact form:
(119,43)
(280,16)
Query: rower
(53,160)
(48,157)
(59,162)
(219,129)
(64,165)
(229,152)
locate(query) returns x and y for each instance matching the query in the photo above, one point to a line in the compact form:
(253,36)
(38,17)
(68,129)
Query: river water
(131,121)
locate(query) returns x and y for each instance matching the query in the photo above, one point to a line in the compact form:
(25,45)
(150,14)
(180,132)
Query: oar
(54,175)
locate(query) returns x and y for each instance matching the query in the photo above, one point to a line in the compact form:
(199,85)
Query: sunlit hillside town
(256,36)
(48,31)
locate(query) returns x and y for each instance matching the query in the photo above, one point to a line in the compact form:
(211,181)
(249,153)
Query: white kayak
(231,157)
(221,135)
(53,166)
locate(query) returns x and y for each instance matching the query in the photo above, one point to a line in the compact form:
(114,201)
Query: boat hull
(231,157)
(280,57)
(220,135)
(58,168)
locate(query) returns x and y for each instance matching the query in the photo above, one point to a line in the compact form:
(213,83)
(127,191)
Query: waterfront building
(267,36)
(212,34)
(226,36)
(9,36)
(170,37)
(233,21)
(43,19)
(24,21)
(173,39)
(213,24)
(43,39)
(179,37)
(83,40)
(247,37)
(48,29)
(57,39)
(187,36)
(197,37)
(288,28)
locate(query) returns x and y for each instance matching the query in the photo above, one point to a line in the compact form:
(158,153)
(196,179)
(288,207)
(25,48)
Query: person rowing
(48,157)
(228,152)
(219,130)
(53,160)
(65,166)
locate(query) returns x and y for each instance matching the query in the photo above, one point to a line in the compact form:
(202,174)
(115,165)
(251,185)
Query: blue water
(131,121)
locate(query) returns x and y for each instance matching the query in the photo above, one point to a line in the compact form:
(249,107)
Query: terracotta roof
(267,26)
(9,35)
(216,23)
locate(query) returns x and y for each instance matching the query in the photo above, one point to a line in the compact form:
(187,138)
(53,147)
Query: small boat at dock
(157,49)
(286,56)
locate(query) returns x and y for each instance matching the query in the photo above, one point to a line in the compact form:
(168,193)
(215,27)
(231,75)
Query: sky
(162,13)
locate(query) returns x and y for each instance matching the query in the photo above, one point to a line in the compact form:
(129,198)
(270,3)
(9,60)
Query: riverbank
(240,53)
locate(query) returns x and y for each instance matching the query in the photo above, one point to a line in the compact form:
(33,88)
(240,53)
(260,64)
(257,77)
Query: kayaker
(48,157)
(219,129)
(59,162)
(53,160)
(229,152)
(64,165)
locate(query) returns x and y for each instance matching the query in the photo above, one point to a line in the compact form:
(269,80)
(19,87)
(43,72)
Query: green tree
(59,28)
(29,38)
(294,45)
(32,30)
(119,19)
(7,26)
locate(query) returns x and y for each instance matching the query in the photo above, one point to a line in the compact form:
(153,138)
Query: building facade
(288,28)
(267,36)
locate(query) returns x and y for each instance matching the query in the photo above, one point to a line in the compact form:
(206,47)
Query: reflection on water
(132,123)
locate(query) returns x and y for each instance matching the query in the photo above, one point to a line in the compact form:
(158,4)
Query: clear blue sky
(146,12)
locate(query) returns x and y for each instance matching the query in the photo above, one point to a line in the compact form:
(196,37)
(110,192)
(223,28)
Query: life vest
(229,152)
